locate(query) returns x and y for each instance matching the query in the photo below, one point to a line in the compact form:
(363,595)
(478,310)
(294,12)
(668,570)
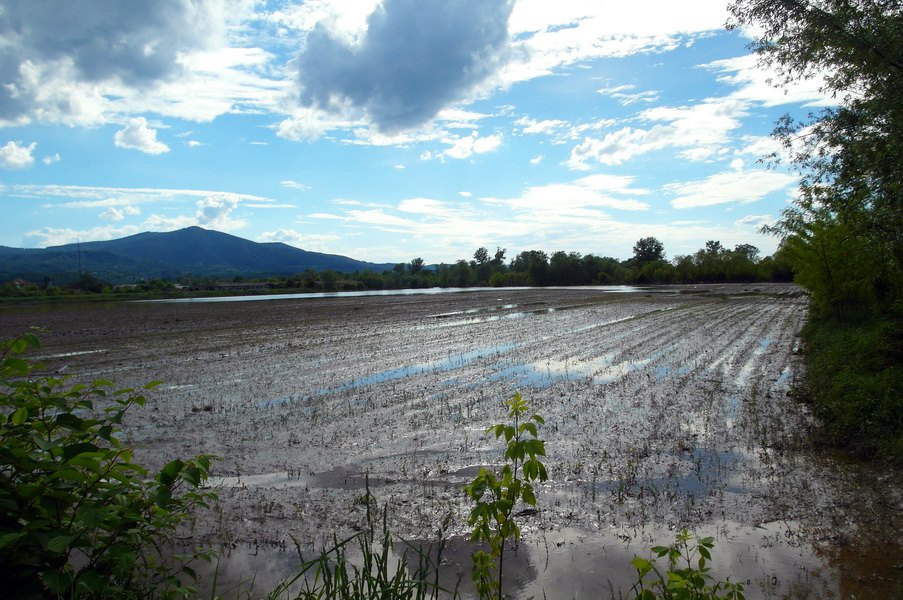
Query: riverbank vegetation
(843,235)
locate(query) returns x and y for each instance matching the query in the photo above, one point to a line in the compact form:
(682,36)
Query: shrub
(78,517)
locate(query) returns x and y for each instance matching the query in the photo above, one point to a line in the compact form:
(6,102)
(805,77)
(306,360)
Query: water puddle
(68,354)
(455,361)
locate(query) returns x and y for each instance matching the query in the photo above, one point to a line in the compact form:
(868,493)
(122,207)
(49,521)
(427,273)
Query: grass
(855,384)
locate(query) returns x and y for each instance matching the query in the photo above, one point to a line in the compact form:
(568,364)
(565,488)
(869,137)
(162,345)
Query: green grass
(855,384)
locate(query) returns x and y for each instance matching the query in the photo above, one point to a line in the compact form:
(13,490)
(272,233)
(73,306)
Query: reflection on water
(455,361)
(769,559)
(405,292)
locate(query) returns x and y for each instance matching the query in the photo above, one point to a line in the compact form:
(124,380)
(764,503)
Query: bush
(78,518)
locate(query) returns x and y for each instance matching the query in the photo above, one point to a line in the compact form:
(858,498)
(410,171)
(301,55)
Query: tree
(535,263)
(481,256)
(648,249)
(850,157)
(416,265)
(748,251)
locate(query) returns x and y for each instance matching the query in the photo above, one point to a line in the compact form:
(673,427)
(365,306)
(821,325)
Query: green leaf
(11,538)
(20,416)
(61,542)
(73,450)
(170,472)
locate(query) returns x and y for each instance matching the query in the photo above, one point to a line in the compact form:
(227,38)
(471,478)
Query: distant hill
(194,250)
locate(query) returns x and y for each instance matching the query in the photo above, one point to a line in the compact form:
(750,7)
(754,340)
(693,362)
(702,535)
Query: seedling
(497,494)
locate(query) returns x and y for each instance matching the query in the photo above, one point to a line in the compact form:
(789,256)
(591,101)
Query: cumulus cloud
(215,211)
(16,156)
(118,214)
(138,136)
(415,58)
(50,47)
(51,158)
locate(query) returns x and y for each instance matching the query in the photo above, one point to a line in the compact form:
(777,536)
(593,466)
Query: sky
(394,129)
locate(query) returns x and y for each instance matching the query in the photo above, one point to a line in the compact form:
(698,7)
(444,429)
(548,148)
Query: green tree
(648,249)
(535,264)
(850,157)
(78,518)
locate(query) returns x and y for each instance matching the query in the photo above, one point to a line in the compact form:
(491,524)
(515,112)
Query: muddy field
(664,409)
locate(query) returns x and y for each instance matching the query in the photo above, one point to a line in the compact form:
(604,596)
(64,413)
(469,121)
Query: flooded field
(664,409)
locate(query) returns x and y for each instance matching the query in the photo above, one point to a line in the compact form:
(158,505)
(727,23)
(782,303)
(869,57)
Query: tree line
(712,264)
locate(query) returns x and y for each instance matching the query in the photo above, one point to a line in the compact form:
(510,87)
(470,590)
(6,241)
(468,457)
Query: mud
(664,409)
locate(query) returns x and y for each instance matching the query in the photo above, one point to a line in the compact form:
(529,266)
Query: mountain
(148,255)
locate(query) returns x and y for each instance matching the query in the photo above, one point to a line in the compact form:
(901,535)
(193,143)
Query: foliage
(850,157)
(496,495)
(844,233)
(688,576)
(381,572)
(78,518)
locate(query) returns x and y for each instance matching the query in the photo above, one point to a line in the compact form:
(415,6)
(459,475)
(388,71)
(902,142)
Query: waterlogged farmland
(664,409)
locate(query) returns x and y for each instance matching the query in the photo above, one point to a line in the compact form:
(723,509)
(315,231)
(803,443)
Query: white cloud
(118,214)
(16,156)
(758,84)
(51,158)
(545,127)
(756,221)
(215,211)
(699,129)
(138,136)
(99,196)
(724,188)
(424,206)
(592,192)
(307,124)
(294,185)
(625,95)
(317,242)
(52,236)
(536,160)
(465,147)
(550,35)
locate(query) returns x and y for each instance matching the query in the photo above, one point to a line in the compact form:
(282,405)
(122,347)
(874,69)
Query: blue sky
(390,130)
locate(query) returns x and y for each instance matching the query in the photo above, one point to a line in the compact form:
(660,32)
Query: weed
(496,494)
(688,576)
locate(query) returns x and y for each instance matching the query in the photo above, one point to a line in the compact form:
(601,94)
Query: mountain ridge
(192,250)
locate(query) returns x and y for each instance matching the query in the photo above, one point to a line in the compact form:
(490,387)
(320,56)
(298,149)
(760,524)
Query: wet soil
(664,408)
